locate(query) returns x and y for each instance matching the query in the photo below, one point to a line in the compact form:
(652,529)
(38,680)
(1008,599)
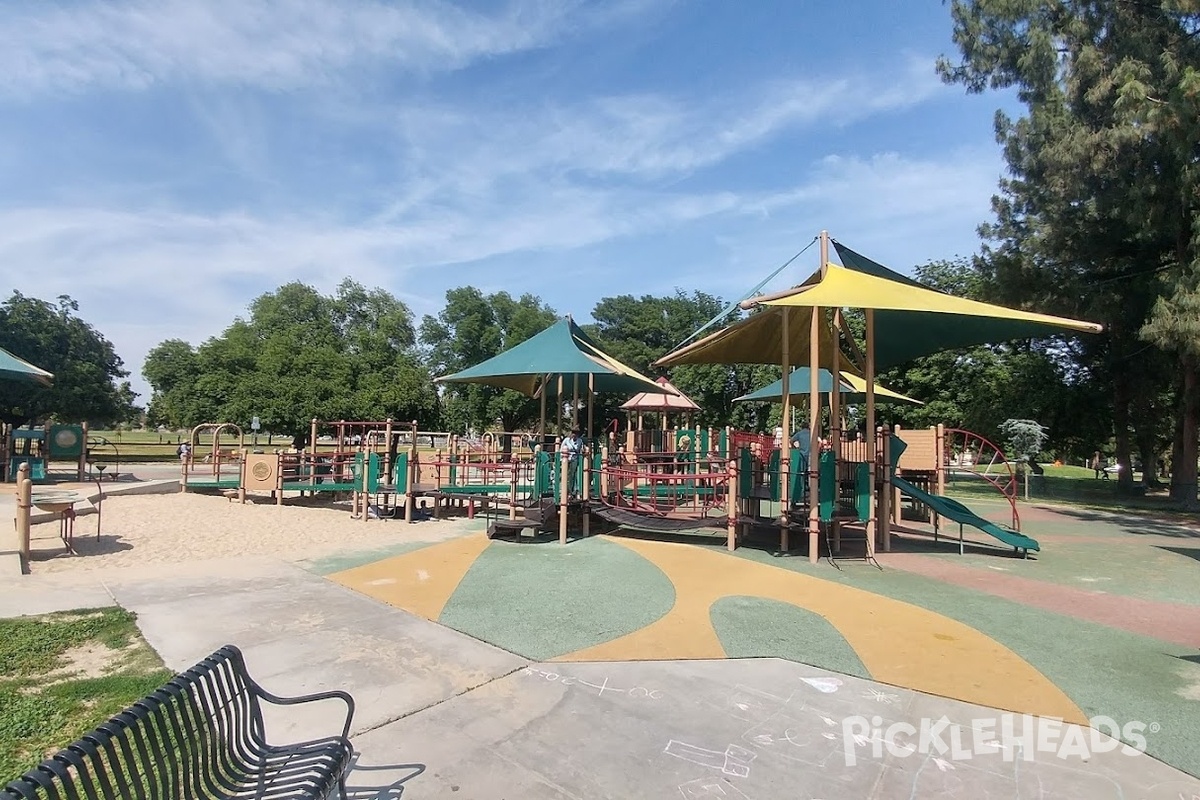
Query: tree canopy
(471,328)
(87,371)
(299,355)
(1099,213)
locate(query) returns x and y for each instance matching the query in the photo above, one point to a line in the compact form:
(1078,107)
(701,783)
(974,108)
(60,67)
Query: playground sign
(255,424)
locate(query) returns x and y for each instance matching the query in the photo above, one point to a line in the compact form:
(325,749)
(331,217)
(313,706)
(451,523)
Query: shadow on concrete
(1190,552)
(1194,659)
(359,785)
(1132,522)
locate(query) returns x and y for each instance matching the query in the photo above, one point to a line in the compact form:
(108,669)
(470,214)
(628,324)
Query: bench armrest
(310,698)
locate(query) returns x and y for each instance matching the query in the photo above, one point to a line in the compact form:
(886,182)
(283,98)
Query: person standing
(1098,466)
(571,449)
(185,450)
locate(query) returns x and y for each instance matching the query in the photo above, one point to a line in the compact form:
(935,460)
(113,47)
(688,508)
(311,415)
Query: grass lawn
(62,675)
(1072,486)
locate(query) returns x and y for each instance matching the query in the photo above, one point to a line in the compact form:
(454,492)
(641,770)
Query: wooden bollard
(24,510)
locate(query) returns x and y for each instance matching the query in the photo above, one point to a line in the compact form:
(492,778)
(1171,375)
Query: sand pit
(175,528)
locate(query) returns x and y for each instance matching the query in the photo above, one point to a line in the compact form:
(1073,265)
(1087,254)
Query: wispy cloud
(278,44)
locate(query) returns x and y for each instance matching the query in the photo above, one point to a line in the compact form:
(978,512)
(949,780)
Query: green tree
(640,330)
(299,355)
(1099,214)
(470,329)
(87,371)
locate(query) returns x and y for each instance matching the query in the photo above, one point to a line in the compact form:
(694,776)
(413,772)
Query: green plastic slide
(956,511)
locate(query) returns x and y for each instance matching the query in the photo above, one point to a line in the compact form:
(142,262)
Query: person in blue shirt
(571,449)
(802,441)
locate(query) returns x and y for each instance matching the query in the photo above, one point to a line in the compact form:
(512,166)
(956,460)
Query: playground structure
(41,447)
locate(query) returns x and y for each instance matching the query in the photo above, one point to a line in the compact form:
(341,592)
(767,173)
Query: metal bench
(199,736)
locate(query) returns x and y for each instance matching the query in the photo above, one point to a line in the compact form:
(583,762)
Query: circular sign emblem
(261,471)
(66,438)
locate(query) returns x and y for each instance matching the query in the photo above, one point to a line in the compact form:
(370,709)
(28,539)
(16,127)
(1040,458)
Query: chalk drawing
(734,760)
(882,697)
(752,705)
(807,740)
(826,685)
(638,692)
(710,787)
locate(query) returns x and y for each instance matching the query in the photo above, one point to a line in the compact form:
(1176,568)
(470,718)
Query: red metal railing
(967,454)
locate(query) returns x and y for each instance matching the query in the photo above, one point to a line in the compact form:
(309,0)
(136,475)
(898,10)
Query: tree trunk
(1121,402)
(1183,463)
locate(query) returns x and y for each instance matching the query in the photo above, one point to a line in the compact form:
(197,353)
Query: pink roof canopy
(650,401)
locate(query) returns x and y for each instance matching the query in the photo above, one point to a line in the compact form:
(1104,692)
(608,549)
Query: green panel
(66,441)
(723,446)
(453,469)
(542,602)
(773,473)
(862,491)
(543,484)
(754,627)
(597,468)
(896,448)
(37,467)
(798,477)
(704,440)
(745,472)
(827,485)
(400,470)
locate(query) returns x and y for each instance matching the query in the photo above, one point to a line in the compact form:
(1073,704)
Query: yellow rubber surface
(421,581)
(898,643)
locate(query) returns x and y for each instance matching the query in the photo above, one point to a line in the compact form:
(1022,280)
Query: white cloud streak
(275,44)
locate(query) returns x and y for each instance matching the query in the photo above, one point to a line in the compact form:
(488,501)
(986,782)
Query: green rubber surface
(543,602)
(754,627)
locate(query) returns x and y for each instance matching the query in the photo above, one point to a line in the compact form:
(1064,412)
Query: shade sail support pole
(872,525)
(814,433)
(785,452)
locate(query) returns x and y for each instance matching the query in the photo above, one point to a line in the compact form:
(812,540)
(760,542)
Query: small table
(61,503)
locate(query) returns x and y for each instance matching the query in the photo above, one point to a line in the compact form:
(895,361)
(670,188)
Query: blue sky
(165,161)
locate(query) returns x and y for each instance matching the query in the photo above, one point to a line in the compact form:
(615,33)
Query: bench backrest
(190,738)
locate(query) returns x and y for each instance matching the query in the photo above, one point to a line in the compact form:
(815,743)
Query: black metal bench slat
(201,735)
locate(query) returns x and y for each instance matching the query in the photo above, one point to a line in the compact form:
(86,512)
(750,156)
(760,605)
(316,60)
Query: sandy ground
(175,528)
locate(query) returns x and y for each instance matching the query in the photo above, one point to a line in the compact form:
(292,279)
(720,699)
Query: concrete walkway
(444,715)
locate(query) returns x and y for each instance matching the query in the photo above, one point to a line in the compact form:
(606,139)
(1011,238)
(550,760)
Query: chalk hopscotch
(636,692)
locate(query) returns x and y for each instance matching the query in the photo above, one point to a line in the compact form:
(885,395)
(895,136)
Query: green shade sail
(562,350)
(19,369)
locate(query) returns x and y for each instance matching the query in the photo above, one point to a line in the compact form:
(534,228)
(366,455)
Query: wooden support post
(731,501)
(587,488)
(563,472)
(409,479)
(83,453)
(512,489)
(885,492)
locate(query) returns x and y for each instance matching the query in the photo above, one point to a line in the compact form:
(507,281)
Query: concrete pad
(734,729)
(28,596)
(301,634)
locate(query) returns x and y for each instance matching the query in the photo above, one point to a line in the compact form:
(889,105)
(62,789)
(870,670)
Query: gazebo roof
(652,401)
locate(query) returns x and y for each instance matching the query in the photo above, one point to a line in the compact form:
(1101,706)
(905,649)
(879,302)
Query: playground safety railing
(657,492)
